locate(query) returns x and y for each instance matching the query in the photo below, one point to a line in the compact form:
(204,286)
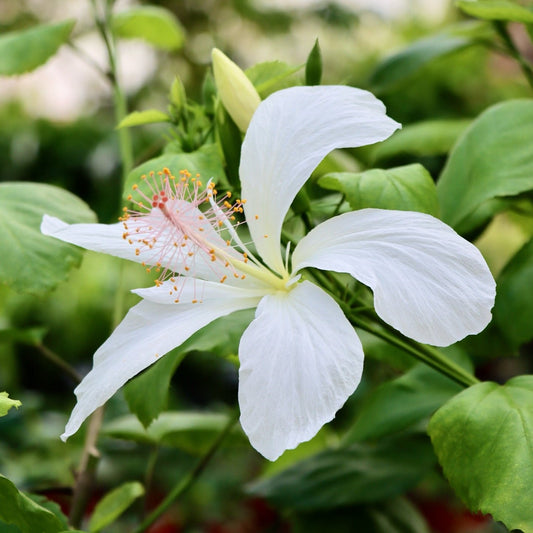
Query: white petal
(428,282)
(148,331)
(300,360)
(290,133)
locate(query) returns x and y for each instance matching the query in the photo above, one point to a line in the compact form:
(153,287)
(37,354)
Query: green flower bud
(236,91)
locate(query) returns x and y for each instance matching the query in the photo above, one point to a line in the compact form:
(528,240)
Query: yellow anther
(129,197)
(223,279)
(243,276)
(137,251)
(194,301)
(228,194)
(135,187)
(177,301)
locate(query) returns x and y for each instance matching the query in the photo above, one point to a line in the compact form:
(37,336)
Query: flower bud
(236,91)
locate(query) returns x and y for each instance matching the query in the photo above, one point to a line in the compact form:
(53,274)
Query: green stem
(186,482)
(60,363)
(513,51)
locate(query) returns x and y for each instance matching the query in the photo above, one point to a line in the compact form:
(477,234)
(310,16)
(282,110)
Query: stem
(56,360)
(185,483)
(86,471)
(513,51)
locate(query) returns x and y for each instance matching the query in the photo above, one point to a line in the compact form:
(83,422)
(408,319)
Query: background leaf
(25,50)
(407,188)
(156,25)
(513,310)
(18,509)
(33,262)
(271,76)
(113,504)
(483,438)
(496,10)
(359,473)
(493,158)
(221,336)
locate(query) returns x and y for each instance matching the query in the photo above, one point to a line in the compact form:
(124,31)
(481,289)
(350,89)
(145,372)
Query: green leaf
(399,67)
(138,118)
(33,262)
(206,161)
(51,506)
(393,516)
(156,25)
(192,432)
(113,504)
(6,403)
(25,50)
(313,66)
(432,137)
(402,402)
(493,158)
(407,188)
(496,10)
(483,438)
(21,511)
(271,76)
(514,299)
(359,473)
(221,336)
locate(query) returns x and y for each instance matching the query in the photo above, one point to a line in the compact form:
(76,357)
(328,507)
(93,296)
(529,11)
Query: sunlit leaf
(6,403)
(32,262)
(113,504)
(138,118)
(492,159)
(496,10)
(192,432)
(483,438)
(25,50)
(407,188)
(156,25)
(355,474)
(432,137)
(21,511)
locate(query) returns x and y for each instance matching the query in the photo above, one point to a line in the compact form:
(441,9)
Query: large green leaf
(25,50)
(513,310)
(113,504)
(432,137)
(492,159)
(156,25)
(483,438)
(21,511)
(496,10)
(192,432)
(400,66)
(32,262)
(206,162)
(402,402)
(394,516)
(6,403)
(359,473)
(408,188)
(222,336)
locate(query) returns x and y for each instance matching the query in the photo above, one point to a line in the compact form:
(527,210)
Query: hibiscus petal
(428,282)
(109,239)
(290,133)
(148,331)
(300,360)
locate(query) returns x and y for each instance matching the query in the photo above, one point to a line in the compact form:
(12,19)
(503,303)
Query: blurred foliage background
(57,126)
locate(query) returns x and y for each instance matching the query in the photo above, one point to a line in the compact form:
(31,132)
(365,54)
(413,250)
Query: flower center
(179,227)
